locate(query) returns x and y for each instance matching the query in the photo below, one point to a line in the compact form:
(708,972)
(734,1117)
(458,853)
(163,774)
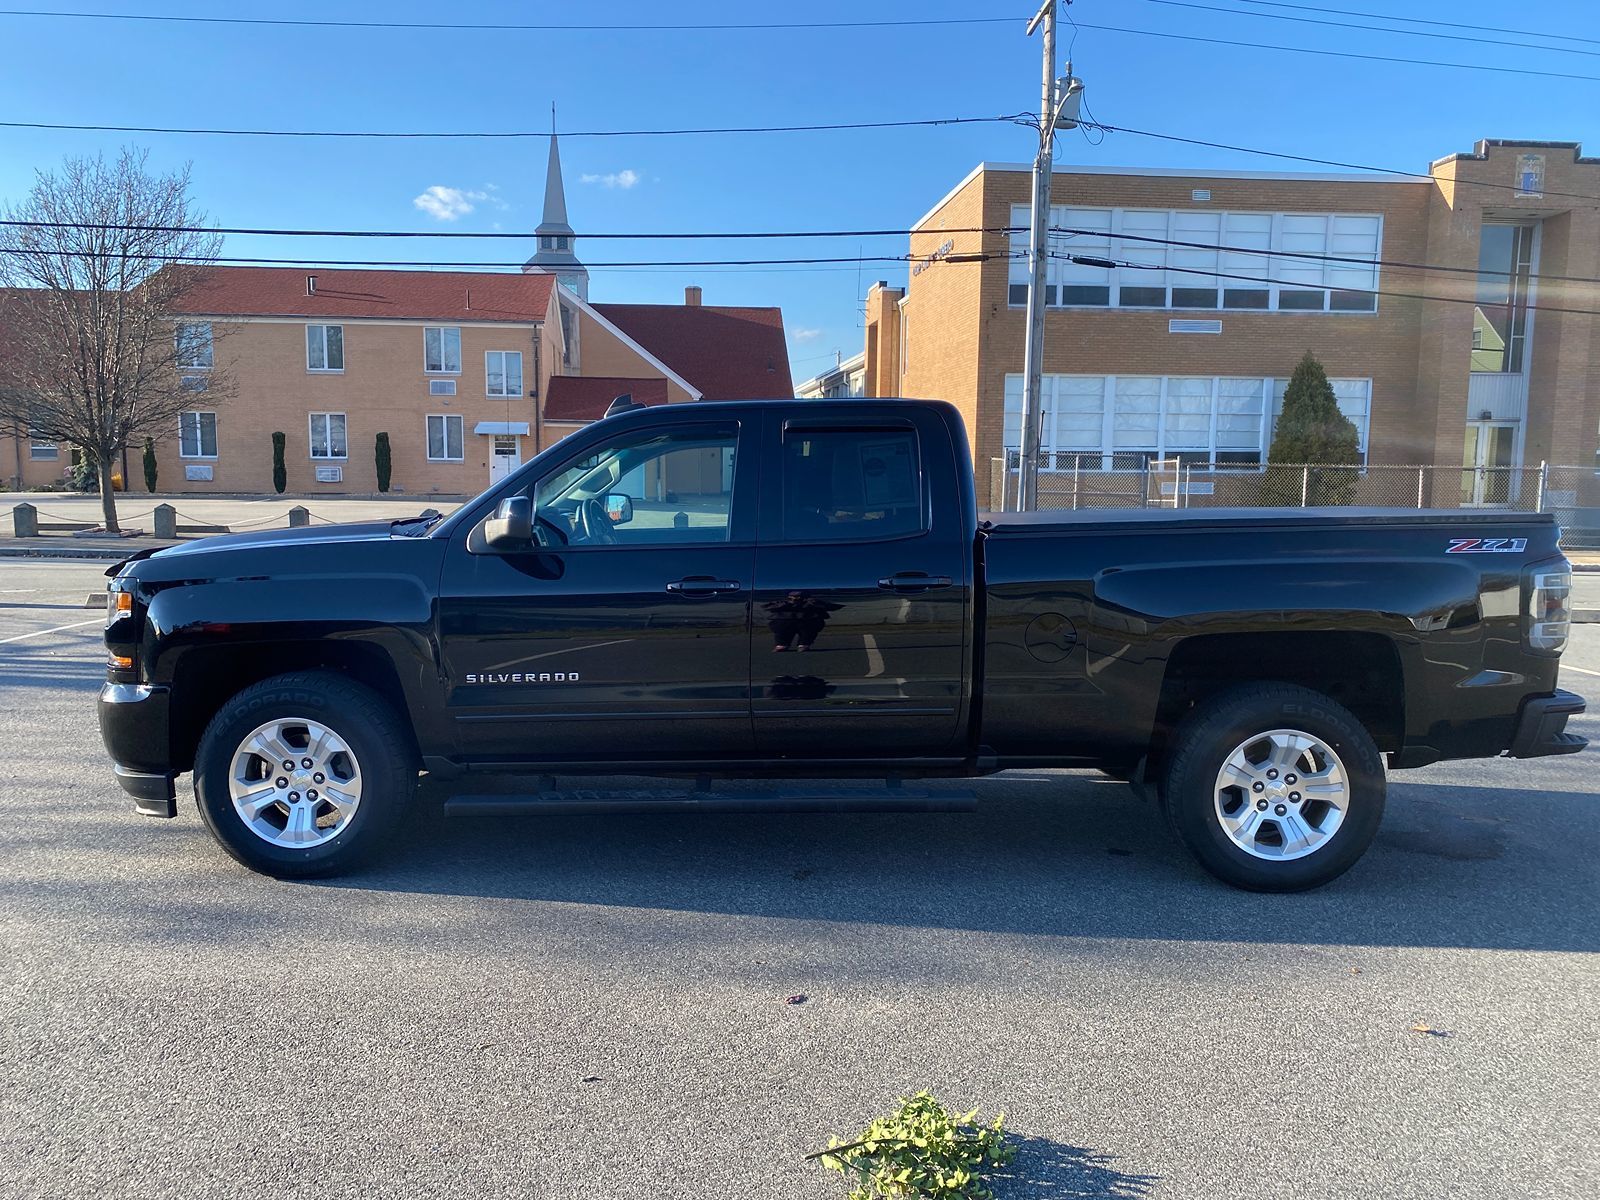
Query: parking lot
(600,1006)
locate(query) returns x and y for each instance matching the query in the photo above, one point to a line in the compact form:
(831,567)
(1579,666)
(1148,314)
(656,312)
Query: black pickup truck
(806,590)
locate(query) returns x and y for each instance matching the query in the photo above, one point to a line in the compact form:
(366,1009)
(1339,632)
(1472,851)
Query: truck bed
(1097,519)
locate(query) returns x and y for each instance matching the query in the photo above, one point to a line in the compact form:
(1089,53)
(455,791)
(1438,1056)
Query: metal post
(1422,474)
(1305,484)
(1188,473)
(1544,483)
(1077,468)
(1039,244)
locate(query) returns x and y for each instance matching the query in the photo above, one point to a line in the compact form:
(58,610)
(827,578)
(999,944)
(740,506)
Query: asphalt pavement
(600,1006)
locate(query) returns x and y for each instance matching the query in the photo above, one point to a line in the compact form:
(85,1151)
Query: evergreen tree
(384,462)
(280,475)
(149,465)
(1312,430)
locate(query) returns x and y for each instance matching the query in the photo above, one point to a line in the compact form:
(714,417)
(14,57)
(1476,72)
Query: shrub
(921,1150)
(1312,430)
(84,476)
(280,475)
(149,465)
(384,461)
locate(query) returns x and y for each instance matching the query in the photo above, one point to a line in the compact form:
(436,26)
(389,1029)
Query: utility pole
(1058,108)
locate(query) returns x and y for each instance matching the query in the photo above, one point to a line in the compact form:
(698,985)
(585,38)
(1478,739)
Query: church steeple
(556,254)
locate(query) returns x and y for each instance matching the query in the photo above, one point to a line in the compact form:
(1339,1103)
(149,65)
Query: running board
(642,800)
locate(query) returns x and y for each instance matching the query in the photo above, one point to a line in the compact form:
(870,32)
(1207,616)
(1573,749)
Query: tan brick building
(1455,313)
(469,373)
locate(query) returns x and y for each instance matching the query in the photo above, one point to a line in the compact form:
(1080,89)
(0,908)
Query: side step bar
(642,800)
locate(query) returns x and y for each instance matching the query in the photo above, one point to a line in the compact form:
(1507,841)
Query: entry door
(1489,472)
(505,456)
(626,634)
(858,641)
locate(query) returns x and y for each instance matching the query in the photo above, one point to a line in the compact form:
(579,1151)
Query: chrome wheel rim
(1282,794)
(295,783)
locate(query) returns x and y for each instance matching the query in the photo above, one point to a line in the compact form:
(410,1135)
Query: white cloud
(805,335)
(614,179)
(448,203)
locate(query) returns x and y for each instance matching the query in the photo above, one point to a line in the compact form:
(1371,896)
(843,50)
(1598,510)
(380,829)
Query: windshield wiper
(425,521)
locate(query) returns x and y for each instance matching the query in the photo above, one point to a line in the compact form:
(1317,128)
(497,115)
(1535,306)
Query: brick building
(470,373)
(1182,350)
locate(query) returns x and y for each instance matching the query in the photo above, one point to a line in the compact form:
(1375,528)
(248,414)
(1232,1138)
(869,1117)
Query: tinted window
(850,483)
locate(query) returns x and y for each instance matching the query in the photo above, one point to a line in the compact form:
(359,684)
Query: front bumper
(1541,727)
(133,725)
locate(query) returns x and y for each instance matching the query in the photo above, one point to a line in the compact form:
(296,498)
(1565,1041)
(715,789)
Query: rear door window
(851,484)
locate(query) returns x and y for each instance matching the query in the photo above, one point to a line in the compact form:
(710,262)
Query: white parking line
(57,629)
(1579,670)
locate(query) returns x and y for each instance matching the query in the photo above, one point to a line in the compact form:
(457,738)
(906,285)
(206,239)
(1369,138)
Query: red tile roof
(394,295)
(586,398)
(726,353)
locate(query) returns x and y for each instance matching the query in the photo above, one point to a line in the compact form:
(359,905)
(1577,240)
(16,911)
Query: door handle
(702,584)
(913,581)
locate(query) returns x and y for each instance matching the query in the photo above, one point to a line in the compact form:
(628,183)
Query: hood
(311,537)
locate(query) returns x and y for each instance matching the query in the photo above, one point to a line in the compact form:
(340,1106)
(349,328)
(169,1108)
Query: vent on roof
(311,285)
(441,387)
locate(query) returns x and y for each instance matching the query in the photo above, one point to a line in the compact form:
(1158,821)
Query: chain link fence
(1067,481)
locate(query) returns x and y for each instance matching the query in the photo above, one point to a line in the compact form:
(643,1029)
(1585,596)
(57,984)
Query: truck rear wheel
(1274,788)
(304,774)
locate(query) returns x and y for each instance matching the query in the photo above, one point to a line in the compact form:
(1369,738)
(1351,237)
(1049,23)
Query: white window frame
(461,442)
(210,346)
(327,428)
(442,369)
(199,430)
(43,449)
(325,370)
(504,354)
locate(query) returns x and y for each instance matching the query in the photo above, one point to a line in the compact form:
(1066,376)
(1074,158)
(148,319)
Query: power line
(1008,230)
(1422,33)
(228,260)
(1096,261)
(1345,12)
(513,27)
(1386,58)
(518,133)
(1333,162)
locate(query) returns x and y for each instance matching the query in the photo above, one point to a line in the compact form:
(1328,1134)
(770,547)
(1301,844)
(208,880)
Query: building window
(1500,318)
(193,341)
(42,449)
(1180,258)
(328,436)
(1120,422)
(324,347)
(502,371)
(444,437)
(441,347)
(197,435)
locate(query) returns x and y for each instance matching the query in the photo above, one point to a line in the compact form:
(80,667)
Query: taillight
(1550,610)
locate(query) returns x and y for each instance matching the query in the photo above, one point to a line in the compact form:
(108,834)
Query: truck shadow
(1049,1170)
(1046,853)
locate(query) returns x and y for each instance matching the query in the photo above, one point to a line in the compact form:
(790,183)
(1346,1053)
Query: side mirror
(511,527)
(619,508)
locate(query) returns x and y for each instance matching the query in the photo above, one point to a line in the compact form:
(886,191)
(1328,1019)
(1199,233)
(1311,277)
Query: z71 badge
(1487,545)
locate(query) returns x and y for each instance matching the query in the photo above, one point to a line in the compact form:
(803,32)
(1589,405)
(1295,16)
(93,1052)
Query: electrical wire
(513,27)
(516,133)
(1385,58)
(1345,12)
(1499,43)
(1096,261)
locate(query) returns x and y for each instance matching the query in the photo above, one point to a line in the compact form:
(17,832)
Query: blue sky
(148,73)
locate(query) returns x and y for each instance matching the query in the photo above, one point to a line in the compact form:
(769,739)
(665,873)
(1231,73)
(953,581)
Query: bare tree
(104,255)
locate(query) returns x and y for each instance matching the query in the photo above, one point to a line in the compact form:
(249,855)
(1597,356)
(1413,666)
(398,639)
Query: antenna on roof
(552,118)
(623,403)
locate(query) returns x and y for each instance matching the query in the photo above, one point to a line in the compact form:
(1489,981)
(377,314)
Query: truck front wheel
(304,774)
(1274,788)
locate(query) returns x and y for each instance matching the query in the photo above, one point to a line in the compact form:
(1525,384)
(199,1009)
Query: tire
(298,821)
(1285,833)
